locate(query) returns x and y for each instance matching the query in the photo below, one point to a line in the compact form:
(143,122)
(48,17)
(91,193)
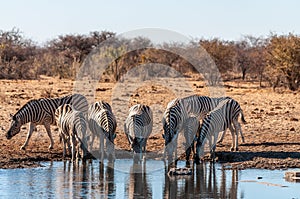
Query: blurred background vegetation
(272,61)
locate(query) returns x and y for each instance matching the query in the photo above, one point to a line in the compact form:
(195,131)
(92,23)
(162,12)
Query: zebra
(72,129)
(172,124)
(41,112)
(190,131)
(201,105)
(177,112)
(102,124)
(219,119)
(138,127)
(221,137)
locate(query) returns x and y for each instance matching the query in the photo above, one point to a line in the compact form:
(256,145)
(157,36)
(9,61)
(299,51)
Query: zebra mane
(136,109)
(104,113)
(222,103)
(173,103)
(29,103)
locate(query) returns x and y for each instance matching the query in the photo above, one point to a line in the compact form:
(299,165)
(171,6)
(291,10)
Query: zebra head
(14,128)
(137,144)
(172,121)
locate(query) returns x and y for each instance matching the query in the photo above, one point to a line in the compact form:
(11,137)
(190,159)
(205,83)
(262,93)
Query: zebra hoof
(50,147)
(23,148)
(234,149)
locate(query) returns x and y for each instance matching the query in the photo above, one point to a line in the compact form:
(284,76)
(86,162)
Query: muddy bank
(272,132)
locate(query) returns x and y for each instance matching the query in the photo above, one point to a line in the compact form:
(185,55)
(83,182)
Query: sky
(43,20)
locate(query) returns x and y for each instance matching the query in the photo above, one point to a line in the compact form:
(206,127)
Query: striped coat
(42,112)
(72,128)
(102,124)
(138,127)
(219,119)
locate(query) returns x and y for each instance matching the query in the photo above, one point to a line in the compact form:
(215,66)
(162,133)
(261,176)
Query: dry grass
(273,117)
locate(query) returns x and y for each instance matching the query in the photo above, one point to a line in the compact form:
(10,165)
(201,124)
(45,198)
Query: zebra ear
(12,116)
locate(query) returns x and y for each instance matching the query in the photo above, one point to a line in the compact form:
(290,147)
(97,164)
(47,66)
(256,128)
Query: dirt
(272,132)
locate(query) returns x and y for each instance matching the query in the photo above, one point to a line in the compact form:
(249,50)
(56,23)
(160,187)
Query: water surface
(123,179)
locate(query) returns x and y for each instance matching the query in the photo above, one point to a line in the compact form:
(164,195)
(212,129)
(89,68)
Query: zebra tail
(243,118)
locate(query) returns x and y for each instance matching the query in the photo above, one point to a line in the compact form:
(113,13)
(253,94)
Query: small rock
(294,119)
(292,129)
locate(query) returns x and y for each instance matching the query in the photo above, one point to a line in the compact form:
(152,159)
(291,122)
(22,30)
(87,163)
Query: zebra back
(78,101)
(101,116)
(43,110)
(71,121)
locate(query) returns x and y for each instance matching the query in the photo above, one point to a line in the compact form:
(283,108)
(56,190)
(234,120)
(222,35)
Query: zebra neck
(25,116)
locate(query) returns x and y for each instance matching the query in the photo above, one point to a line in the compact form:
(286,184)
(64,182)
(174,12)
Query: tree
(284,59)
(16,55)
(222,52)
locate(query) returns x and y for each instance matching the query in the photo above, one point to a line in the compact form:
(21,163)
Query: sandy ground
(272,132)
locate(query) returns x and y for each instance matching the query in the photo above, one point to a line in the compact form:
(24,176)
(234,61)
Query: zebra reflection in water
(205,182)
(138,186)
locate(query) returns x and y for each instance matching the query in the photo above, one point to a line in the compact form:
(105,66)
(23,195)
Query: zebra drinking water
(177,113)
(219,119)
(190,131)
(72,128)
(138,127)
(173,120)
(102,124)
(42,112)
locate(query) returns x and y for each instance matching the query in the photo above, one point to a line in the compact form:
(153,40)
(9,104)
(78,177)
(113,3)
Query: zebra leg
(220,139)
(31,128)
(47,127)
(69,145)
(73,143)
(101,146)
(64,140)
(240,130)
(92,141)
(212,145)
(213,149)
(234,138)
(197,154)
(78,148)
(175,148)
(187,154)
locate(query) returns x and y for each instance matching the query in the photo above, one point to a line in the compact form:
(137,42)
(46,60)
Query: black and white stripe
(219,119)
(138,127)
(102,124)
(177,113)
(173,120)
(72,128)
(190,131)
(42,112)
(179,110)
